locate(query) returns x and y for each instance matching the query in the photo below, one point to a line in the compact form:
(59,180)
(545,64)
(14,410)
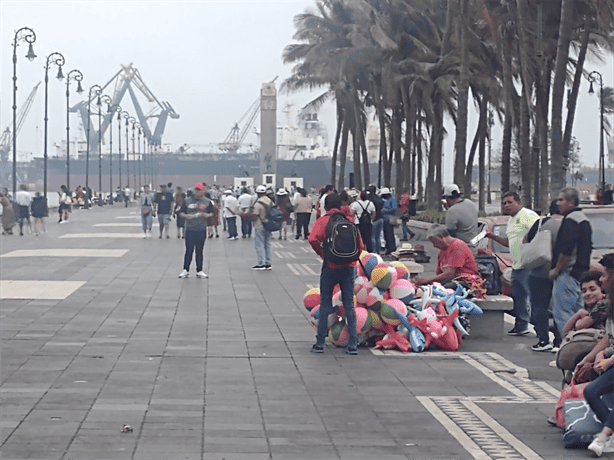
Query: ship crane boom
(237,135)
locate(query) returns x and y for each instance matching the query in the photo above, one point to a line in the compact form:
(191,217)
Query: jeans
(406,230)
(391,244)
(147,221)
(365,233)
(232,226)
(602,385)
(246,226)
(194,242)
(567,299)
(520,294)
(540,291)
(262,243)
(302,223)
(329,278)
(376,231)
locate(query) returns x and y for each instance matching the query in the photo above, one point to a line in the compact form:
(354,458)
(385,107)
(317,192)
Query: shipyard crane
(125,79)
(235,138)
(7,138)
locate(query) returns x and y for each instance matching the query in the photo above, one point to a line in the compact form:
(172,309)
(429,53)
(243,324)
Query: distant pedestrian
(196,210)
(333,274)
(8,215)
(39,212)
(286,208)
(147,211)
(179,199)
(262,239)
(214,221)
(389,210)
(23,200)
(363,211)
(378,223)
(127,195)
(405,215)
(163,207)
(246,205)
(303,207)
(230,210)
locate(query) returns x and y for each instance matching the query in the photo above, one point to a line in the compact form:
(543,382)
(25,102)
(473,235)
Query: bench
(490,325)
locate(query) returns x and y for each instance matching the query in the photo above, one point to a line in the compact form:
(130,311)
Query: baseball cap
(199,186)
(261,189)
(451,190)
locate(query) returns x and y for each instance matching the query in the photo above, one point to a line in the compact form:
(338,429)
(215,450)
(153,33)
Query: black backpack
(274,219)
(488,267)
(365,218)
(342,241)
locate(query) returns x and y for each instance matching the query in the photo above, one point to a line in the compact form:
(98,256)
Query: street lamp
(112,109)
(138,143)
(28,35)
(104,99)
(77,76)
(120,115)
(57,59)
(592,77)
(127,117)
(98,90)
(132,121)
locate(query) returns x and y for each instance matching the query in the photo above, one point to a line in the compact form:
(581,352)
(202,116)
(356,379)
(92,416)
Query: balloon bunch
(392,314)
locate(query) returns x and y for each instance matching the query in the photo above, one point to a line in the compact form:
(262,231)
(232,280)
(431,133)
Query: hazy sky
(208,59)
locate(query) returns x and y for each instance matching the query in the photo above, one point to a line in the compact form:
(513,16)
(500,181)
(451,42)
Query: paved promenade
(98,332)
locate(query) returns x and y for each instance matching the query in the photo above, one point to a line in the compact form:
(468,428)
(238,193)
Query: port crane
(127,78)
(237,135)
(6,141)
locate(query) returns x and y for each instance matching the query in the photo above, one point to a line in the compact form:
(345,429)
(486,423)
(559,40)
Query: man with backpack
(336,239)
(264,223)
(363,211)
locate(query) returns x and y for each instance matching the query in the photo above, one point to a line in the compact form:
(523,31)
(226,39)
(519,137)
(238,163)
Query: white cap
(384,191)
(451,190)
(261,189)
(282,191)
(227,192)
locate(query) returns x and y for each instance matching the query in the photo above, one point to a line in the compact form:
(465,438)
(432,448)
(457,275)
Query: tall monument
(268,131)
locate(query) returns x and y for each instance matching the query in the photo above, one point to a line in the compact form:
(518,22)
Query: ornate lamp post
(104,99)
(112,109)
(97,92)
(26,34)
(127,117)
(592,77)
(120,115)
(133,121)
(57,59)
(77,76)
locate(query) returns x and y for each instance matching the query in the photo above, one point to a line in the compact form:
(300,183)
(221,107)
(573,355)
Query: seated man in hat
(455,262)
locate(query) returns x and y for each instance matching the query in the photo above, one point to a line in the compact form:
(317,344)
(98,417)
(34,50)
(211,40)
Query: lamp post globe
(73,75)
(24,34)
(57,59)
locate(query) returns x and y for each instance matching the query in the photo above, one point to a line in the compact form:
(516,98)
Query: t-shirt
(191,205)
(457,255)
(517,227)
(246,201)
(23,198)
(358,206)
(462,220)
(164,200)
(230,206)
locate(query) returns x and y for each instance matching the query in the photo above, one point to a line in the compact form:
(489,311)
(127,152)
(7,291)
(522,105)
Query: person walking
(196,210)
(230,204)
(389,210)
(23,200)
(179,199)
(378,223)
(521,221)
(163,206)
(461,216)
(8,214)
(540,286)
(303,207)
(333,274)
(39,212)
(147,211)
(286,208)
(246,203)
(570,258)
(262,237)
(405,216)
(363,211)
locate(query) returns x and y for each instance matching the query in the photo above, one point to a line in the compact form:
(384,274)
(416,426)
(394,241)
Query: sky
(208,59)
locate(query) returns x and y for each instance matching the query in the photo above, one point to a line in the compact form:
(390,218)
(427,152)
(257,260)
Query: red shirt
(318,234)
(457,255)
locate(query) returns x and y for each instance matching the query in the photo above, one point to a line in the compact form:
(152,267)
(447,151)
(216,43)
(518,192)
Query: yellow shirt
(517,227)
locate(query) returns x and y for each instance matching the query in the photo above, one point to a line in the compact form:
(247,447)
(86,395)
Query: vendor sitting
(455,262)
(595,310)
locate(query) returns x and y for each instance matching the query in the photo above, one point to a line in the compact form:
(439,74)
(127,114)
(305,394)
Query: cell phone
(479,237)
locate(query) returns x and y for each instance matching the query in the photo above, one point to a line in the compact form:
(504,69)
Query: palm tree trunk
(508,85)
(343,154)
(482,154)
(333,168)
(418,159)
(526,163)
(381,115)
(558,155)
(542,93)
(434,179)
(398,152)
(460,144)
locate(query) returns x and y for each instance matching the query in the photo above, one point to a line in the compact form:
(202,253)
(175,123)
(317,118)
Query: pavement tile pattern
(220,368)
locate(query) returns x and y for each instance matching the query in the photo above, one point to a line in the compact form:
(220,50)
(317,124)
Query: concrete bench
(490,325)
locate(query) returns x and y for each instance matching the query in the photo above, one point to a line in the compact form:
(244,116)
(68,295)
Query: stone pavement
(98,332)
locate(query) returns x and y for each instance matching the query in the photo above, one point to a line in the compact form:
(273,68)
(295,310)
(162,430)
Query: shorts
(164,219)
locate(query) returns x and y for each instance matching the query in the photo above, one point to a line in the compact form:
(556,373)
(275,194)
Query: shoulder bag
(538,252)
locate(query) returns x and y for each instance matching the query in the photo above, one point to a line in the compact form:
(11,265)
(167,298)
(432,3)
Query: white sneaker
(145,236)
(201,274)
(598,444)
(184,274)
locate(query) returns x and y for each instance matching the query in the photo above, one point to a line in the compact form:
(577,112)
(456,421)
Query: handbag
(538,252)
(573,391)
(575,346)
(393,220)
